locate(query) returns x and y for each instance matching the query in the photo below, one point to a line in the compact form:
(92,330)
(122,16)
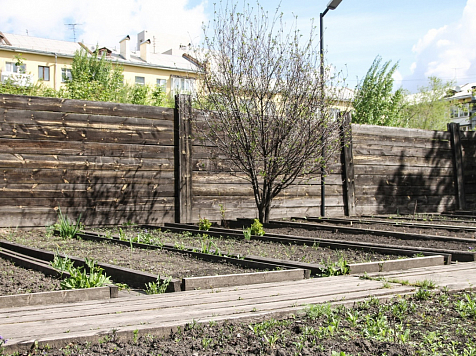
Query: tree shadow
(419,189)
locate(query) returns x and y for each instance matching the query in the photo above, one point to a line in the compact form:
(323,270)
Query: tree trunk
(264,211)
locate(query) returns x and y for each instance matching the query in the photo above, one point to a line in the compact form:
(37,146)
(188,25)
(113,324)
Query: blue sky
(426,37)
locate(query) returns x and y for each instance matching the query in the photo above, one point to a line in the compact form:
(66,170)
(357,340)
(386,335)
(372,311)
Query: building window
(460,111)
(66,74)
(162,83)
(13,68)
(44,73)
(183,85)
(140,80)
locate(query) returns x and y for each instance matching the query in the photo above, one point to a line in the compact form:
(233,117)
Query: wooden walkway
(60,324)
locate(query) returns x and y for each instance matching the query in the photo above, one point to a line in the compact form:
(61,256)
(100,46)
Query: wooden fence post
(348,166)
(454,131)
(183,158)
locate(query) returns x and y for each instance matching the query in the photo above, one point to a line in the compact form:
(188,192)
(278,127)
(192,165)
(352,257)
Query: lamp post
(332,5)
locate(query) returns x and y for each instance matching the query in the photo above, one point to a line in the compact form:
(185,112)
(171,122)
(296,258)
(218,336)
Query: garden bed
(317,232)
(18,280)
(179,265)
(211,241)
(432,228)
(157,262)
(427,324)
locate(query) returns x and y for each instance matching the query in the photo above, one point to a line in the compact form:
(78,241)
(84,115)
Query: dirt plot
(385,240)
(18,280)
(166,263)
(408,229)
(160,262)
(227,246)
(427,324)
(426,219)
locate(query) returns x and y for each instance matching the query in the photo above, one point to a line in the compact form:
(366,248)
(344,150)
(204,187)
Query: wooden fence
(115,163)
(468,143)
(109,162)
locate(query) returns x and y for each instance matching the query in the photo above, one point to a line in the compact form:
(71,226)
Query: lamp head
(333,4)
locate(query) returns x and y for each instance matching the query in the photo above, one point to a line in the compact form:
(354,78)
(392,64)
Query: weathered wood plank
(348,171)
(437,189)
(401,162)
(183,158)
(457,165)
(54,176)
(29,117)
(20,146)
(395,133)
(81,162)
(87,107)
(58,133)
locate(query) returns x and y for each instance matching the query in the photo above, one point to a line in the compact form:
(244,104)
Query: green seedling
(67,228)
(62,264)
(247,234)
(158,287)
(81,279)
(257,228)
(204,224)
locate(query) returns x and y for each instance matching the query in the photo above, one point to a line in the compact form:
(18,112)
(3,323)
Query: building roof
(29,44)
(462,91)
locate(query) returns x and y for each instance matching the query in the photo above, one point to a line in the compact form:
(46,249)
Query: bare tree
(262,87)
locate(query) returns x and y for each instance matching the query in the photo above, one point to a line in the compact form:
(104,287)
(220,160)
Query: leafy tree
(94,78)
(268,116)
(375,103)
(428,109)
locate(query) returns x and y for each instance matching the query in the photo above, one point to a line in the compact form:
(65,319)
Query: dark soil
(385,240)
(438,219)
(427,230)
(428,324)
(18,280)
(157,262)
(228,246)
(166,263)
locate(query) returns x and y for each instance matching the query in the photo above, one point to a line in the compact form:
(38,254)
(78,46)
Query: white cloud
(428,39)
(397,79)
(103,22)
(450,51)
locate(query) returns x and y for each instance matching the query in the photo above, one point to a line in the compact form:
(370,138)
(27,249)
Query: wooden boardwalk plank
(62,323)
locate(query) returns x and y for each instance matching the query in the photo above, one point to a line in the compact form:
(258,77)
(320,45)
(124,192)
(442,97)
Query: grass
(158,287)
(66,227)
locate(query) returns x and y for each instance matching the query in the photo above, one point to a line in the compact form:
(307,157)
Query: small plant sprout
(257,228)
(224,223)
(158,287)
(67,229)
(81,279)
(425,284)
(247,234)
(62,264)
(204,224)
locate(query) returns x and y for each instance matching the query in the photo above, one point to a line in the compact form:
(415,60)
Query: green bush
(204,224)
(257,228)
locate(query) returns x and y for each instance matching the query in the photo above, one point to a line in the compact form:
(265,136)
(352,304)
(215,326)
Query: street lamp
(332,5)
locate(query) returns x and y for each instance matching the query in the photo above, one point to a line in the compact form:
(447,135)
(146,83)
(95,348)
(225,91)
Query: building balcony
(16,78)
